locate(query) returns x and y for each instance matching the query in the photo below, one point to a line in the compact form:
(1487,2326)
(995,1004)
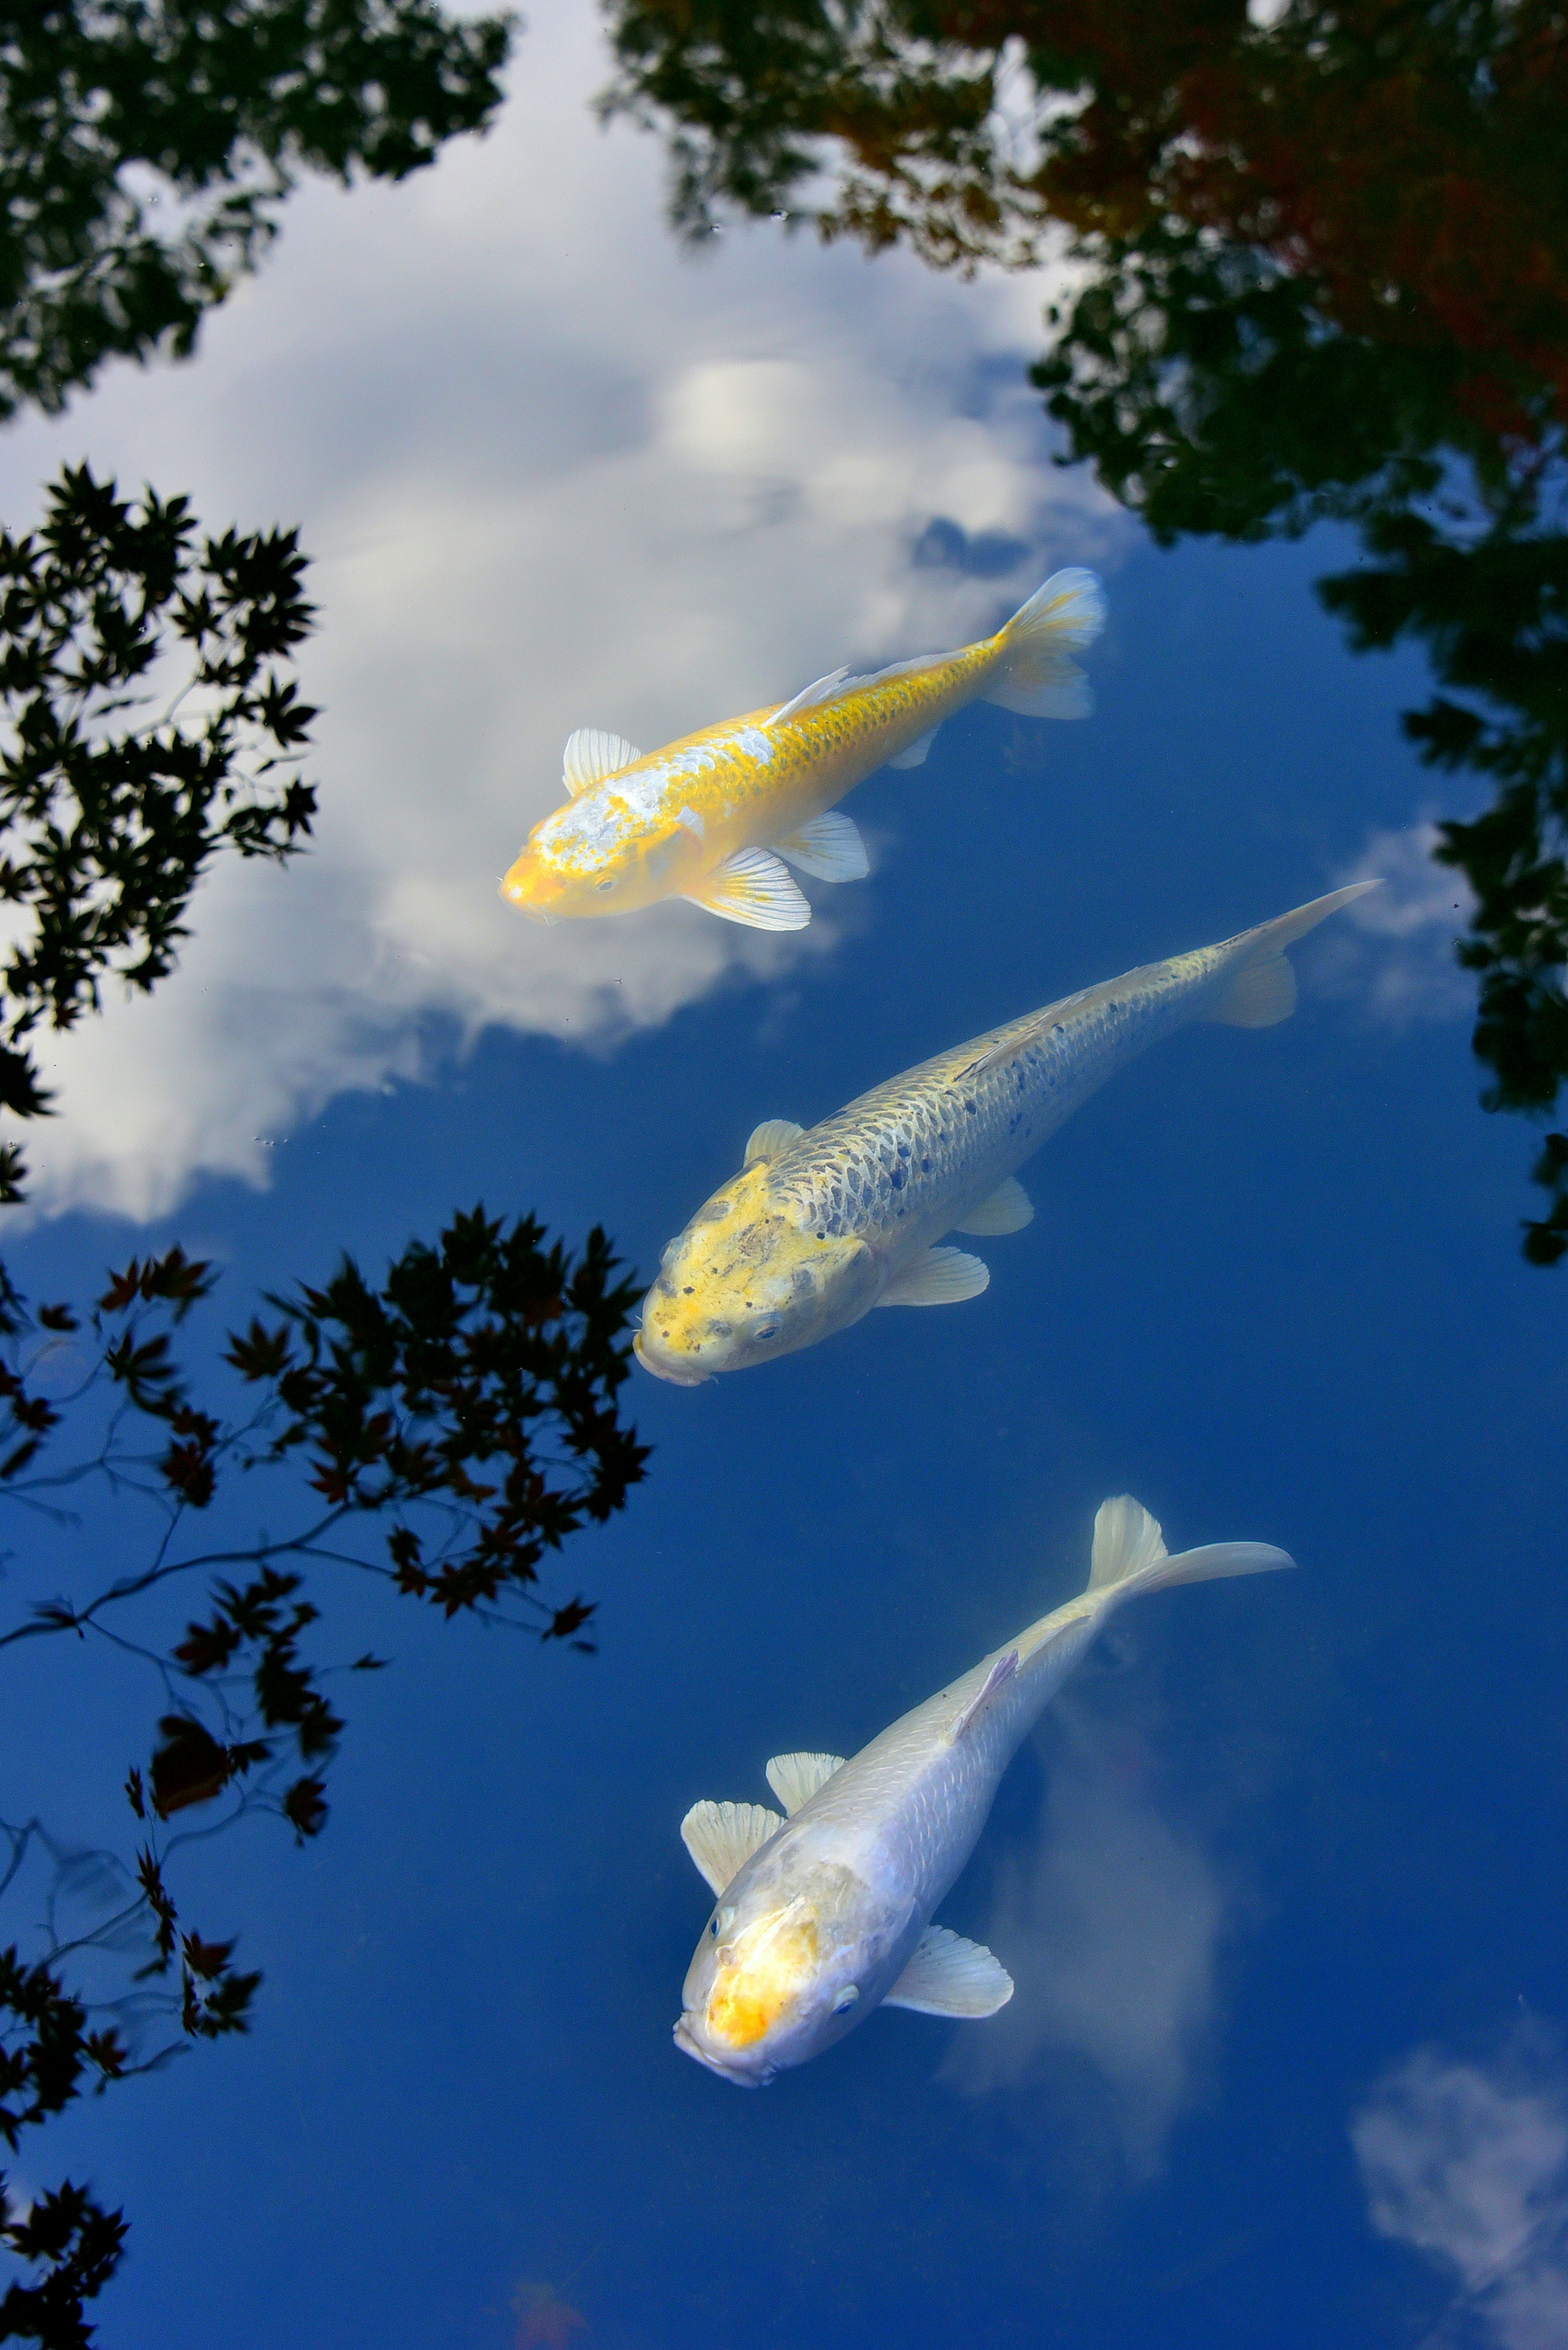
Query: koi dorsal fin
(1004,1670)
(838,682)
(821,689)
(591,754)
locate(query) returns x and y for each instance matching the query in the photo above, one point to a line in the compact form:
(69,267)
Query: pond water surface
(1279,1878)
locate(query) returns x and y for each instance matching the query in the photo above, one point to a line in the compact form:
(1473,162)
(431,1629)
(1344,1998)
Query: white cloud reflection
(1110,1925)
(1393,952)
(553,474)
(1469,2165)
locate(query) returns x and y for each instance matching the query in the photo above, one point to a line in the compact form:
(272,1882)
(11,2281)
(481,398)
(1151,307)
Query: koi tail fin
(1258,986)
(1129,1555)
(1038,677)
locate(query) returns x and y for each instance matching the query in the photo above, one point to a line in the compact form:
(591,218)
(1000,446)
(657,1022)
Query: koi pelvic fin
(795,1778)
(827,845)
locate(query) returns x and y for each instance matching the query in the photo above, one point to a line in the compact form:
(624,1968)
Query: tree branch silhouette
(147,146)
(463,1412)
(1320,272)
(105,827)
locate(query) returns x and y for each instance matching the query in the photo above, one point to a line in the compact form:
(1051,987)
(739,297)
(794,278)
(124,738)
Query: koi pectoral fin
(591,754)
(754,888)
(943,1276)
(721,1838)
(948,1976)
(795,1778)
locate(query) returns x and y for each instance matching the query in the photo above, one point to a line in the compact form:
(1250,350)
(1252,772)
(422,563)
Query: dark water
(1279,1880)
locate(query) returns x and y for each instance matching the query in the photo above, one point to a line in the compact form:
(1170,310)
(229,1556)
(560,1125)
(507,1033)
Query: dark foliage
(45,2050)
(50,2054)
(473,1353)
(77,2244)
(749,98)
(466,1410)
(1326,275)
(110,108)
(106,827)
(468,1404)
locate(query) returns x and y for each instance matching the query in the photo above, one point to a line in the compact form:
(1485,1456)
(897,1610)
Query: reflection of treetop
(105,828)
(111,107)
(1322,270)
(1411,157)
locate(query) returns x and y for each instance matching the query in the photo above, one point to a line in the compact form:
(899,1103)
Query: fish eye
(608,884)
(846,1999)
(766,1330)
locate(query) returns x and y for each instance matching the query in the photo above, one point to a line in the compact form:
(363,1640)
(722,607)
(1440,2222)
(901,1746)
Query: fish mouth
(687,2041)
(514,894)
(663,1371)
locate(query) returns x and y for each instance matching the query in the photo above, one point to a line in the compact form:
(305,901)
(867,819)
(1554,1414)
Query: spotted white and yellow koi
(717,816)
(825,1916)
(820,1226)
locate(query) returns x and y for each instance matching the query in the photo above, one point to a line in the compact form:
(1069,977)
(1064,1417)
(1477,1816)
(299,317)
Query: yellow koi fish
(714,817)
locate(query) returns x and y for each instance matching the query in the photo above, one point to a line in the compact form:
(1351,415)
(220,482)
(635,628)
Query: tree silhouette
(450,1427)
(1323,272)
(146,146)
(105,827)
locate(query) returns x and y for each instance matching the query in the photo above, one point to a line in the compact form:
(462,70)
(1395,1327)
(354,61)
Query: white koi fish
(823,1919)
(820,1225)
(715,816)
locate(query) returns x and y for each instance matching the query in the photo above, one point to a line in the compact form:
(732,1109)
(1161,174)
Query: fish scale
(922,1146)
(822,1918)
(932,1792)
(821,1225)
(713,816)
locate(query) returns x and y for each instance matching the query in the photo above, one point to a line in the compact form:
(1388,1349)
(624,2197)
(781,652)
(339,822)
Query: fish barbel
(822,1918)
(821,1225)
(716,816)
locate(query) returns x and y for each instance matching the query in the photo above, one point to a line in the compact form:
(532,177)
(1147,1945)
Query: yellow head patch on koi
(761,1976)
(710,1267)
(746,1279)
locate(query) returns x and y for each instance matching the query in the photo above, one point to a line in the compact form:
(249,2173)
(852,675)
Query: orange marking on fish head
(762,1975)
